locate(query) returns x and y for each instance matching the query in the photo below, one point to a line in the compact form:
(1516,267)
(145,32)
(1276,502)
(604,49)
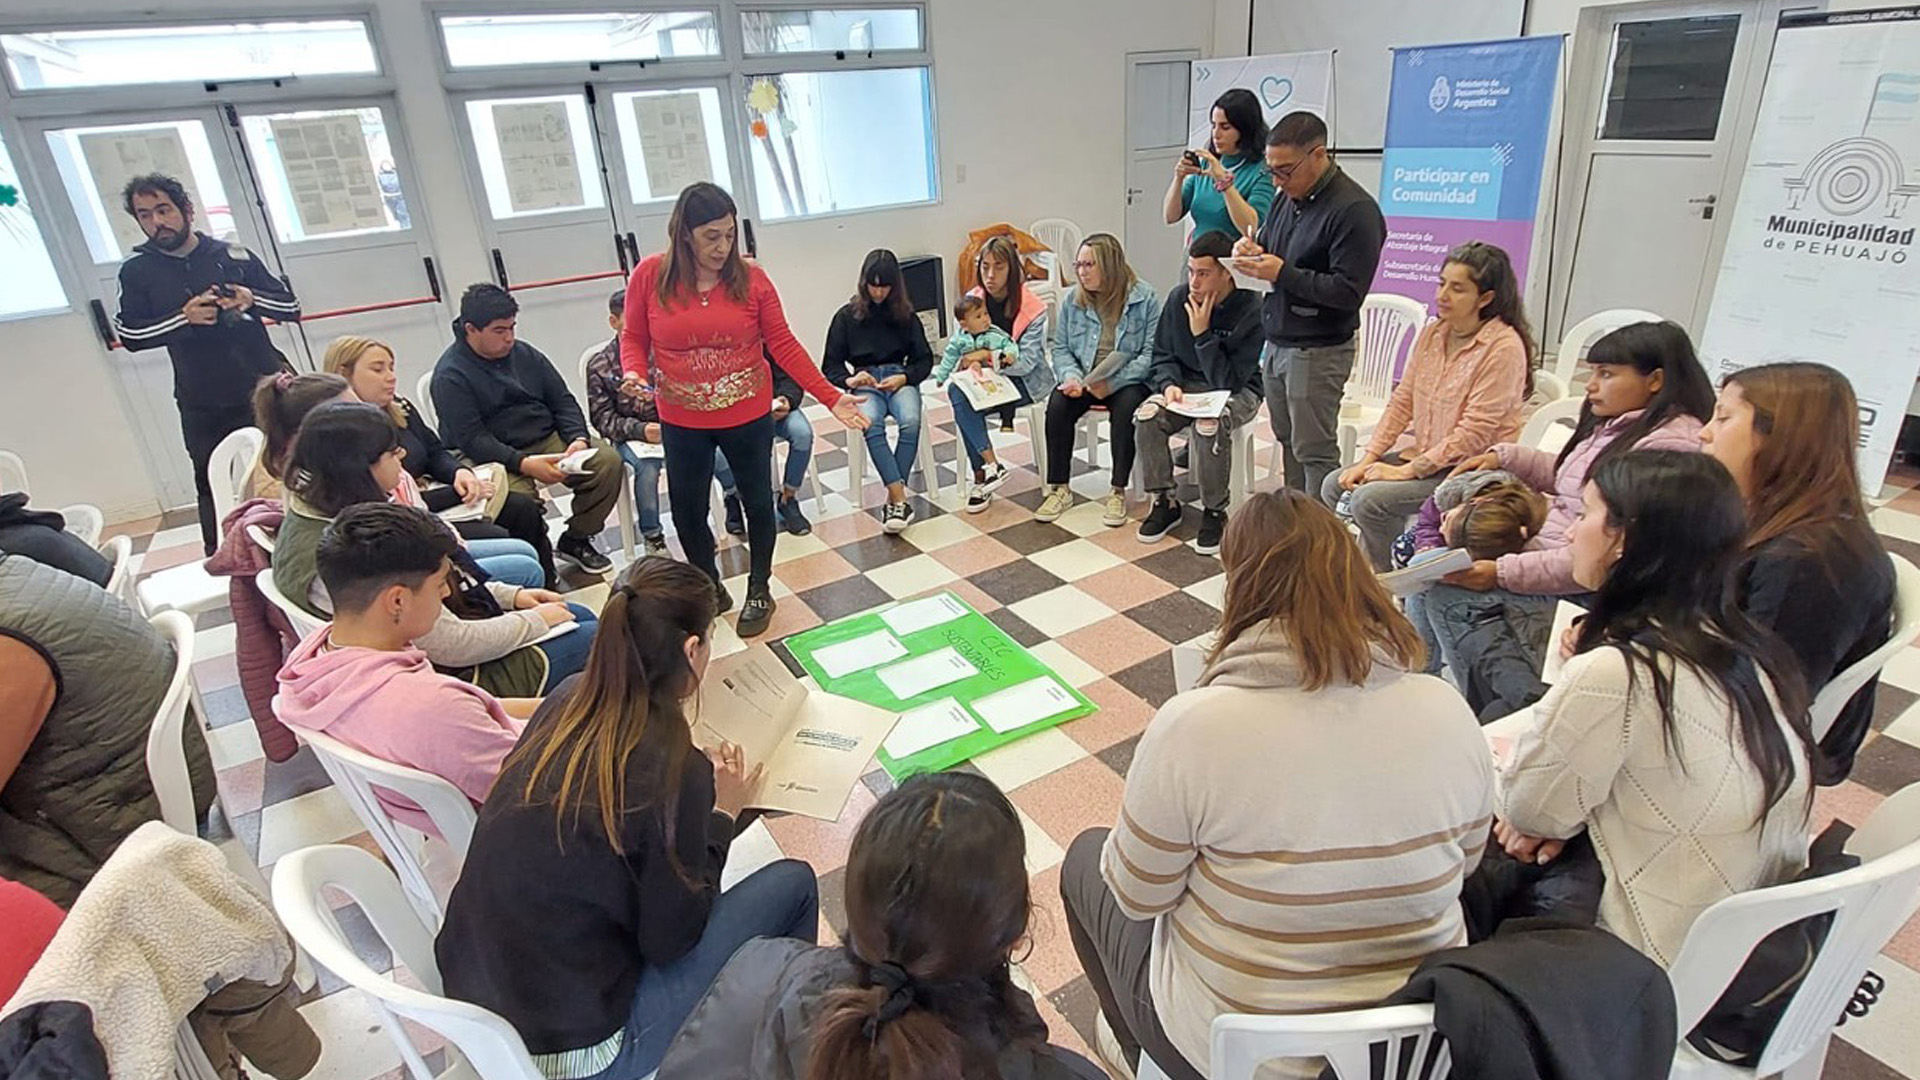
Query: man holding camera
(203,300)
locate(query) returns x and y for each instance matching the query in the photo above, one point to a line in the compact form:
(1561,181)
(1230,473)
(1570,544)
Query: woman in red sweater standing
(700,323)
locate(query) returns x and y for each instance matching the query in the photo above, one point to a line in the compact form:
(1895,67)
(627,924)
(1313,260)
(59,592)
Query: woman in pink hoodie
(360,679)
(1647,391)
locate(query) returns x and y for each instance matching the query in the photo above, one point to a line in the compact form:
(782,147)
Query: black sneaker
(579,551)
(736,517)
(656,544)
(791,519)
(755,614)
(895,517)
(1160,520)
(1212,524)
(1006,422)
(990,478)
(723,599)
(977,499)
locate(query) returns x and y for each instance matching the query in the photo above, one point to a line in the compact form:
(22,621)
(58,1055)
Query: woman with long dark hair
(1647,391)
(1022,316)
(1677,734)
(589,912)
(1225,187)
(1814,571)
(922,989)
(700,324)
(876,346)
(1192,905)
(349,453)
(1466,382)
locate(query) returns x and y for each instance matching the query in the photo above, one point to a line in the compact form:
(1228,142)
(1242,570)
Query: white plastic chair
(1548,387)
(1906,606)
(1869,904)
(355,775)
(303,623)
(857,456)
(166,745)
(1413,1050)
(1387,323)
(423,400)
(488,1043)
(1540,431)
(84,520)
(119,552)
(189,588)
(1575,342)
(1063,238)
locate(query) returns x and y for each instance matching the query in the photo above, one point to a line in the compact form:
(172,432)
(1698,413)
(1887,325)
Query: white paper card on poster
(859,654)
(1826,202)
(537,155)
(911,678)
(1024,703)
(330,174)
(929,726)
(917,615)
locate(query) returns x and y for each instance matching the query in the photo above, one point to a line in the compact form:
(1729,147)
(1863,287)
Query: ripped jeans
(1210,444)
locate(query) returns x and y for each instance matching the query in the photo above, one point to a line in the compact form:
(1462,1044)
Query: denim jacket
(1077,334)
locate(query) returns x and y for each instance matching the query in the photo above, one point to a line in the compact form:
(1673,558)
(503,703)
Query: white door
(1668,109)
(93,160)
(336,179)
(1156,136)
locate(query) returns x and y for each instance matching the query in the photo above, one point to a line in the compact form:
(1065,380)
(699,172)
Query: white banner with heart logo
(1284,83)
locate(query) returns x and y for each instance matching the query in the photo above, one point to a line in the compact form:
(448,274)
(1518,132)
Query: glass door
(667,138)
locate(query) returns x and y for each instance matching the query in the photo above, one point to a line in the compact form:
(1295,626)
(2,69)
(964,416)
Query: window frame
(33,193)
(743,8)
(200,89)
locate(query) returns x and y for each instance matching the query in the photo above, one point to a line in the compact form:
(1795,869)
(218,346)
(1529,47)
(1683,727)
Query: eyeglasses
(1082,265)
(1283,173)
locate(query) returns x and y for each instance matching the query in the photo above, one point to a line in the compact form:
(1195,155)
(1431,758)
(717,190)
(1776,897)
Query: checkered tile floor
(1098,606)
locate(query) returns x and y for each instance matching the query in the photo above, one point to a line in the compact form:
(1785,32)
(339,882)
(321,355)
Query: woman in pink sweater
(1647,391)
(700,323)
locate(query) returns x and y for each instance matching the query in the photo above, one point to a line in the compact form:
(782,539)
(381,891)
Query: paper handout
(463,511)
(911,678)
(986,388)
(859,654)
(928,726)
(1419,577)
(1201,406)
(1026,703)
(574,464)
(916,615)
(643,449)
(814,745)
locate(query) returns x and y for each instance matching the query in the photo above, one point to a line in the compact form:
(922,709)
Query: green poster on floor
(961,685)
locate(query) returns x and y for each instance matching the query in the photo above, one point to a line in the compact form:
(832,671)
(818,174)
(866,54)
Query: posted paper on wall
(537,155)
(1826,216)
(673,141)
(115,157)
(330,174)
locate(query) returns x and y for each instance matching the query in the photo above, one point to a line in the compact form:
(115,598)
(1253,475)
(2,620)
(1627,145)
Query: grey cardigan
(755,1021)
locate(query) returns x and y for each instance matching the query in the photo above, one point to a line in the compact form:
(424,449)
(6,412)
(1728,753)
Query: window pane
(830,30)
(62,59)
(96,163)
(510,40)
(536,155)
(840,140)
(32,284)
(1669,77)
(327,173)
(671,138)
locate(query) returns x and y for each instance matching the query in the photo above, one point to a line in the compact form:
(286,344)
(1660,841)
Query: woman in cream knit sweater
(1677,734)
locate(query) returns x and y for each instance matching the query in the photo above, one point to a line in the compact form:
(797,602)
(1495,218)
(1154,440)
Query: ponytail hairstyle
(937,900)
(1646,347)
(280,403)
(1492,271)
(700,203)
(1670,601)
(630,700)
(331,466)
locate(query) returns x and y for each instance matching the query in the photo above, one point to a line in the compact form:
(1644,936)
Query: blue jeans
(1449,611)
(796,431)
(895,465)
(508,560)
(567,654)
(781,899)
(646,484)
(973,423)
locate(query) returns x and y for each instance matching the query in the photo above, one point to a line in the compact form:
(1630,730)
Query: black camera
(228,316)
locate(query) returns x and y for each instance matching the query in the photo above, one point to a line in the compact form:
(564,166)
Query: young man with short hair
(1319,245)
(360,679)
(500,399)
(1208,339)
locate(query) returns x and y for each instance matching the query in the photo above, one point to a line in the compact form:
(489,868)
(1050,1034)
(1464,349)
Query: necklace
(707,297)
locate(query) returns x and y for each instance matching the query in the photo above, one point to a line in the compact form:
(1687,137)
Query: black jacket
(1547,1001)
(51,1040)
(1331,242)
(1830,598)
(1226,357)
(217,366)
(492,408)
(854,345)
(426,456)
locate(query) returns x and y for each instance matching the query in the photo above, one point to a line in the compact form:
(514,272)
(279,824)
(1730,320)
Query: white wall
(1031,123)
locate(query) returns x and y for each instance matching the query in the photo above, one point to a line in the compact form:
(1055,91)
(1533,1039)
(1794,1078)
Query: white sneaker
(1056,503)
(1107,1045)
(1113,510)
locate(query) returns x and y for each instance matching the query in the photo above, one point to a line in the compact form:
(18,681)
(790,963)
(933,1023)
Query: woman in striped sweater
(1220,891)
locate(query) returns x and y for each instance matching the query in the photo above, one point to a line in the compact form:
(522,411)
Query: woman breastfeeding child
(490,632)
